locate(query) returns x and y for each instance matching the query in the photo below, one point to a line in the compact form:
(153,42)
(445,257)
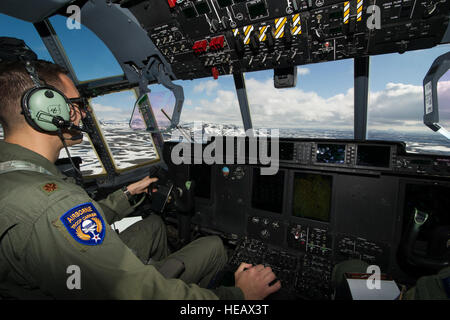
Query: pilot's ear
(72,112)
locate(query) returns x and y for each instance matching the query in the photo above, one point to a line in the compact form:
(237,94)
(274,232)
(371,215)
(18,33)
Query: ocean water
(130,148)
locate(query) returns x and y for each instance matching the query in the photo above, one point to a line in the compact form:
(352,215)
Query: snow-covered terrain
(130,147)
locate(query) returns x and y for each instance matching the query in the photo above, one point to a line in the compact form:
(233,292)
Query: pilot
(57,242)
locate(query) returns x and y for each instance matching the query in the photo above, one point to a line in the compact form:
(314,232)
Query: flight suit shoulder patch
(84,224)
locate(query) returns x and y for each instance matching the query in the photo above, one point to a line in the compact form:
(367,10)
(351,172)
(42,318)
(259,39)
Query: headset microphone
(78,128)
(75,138)
(71,126)
(60,123)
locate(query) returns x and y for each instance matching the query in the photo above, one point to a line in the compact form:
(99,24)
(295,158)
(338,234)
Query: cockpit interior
(300,205)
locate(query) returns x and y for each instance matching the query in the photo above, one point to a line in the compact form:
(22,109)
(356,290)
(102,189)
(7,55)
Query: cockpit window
(212,105)
(129,148)
(396,107)
(91,164)
(320,106)
(89,56)
(16,28)
(162,102)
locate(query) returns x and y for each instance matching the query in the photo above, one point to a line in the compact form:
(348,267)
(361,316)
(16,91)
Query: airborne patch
(85,224)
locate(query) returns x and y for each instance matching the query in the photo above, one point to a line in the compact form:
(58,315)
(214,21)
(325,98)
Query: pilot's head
(15,81)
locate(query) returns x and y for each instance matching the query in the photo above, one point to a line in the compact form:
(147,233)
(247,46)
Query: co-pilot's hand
(141,186)
(254,281)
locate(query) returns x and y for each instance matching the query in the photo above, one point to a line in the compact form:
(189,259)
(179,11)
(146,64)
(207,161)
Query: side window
(128,148)
(16,28)
(162,102)
(395,110)
(91,164)
(89,56)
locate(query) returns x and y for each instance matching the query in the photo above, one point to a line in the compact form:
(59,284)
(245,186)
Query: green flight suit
(37,251)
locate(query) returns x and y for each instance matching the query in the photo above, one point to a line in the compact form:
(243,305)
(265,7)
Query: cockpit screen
(256,9)
(286,151)
(312,196)
(373,156)
(267,191)
(201,174)
(330,153)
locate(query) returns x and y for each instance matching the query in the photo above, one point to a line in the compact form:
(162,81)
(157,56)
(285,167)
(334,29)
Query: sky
(323,97)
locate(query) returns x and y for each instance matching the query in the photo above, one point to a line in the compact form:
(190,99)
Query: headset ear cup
(41,105)
(26,111)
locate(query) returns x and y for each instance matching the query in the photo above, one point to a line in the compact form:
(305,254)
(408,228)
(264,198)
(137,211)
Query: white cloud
(303,71)
(272,107)
(295,107)
(224,108)
(103,112)
(398,106)
(206,86)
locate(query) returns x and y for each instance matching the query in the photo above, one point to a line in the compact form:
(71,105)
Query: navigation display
(312,196)
(330,153)
(373,156)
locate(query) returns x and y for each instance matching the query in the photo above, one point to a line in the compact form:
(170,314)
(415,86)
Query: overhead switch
(172,3)
(217,43)
(215,73)
(200,46)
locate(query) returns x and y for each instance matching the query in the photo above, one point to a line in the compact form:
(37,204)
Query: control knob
(265,233)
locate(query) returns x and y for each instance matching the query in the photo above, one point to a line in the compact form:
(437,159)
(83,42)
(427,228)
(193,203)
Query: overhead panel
(203,38)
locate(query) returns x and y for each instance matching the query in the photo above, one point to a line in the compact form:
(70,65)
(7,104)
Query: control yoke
(182,196)
(407,249)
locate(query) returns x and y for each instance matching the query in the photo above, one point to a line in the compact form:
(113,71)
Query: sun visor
(153,112)
(436,90)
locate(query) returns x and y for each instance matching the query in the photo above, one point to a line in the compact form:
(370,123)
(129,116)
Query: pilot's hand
(141,186)
(254,281)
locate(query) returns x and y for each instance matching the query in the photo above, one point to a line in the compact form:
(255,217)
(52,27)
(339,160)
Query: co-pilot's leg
(147,239)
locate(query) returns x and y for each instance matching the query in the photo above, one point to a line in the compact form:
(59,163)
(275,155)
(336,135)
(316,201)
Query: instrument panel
(377,156)
(330,201)
(353,156)
(348,155)
(203,38)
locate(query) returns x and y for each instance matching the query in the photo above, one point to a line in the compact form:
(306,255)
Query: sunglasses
(80,102)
